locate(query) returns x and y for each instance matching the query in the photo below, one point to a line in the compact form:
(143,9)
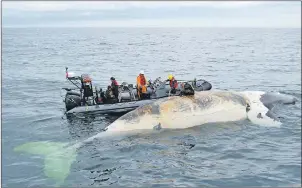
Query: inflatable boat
(94,101)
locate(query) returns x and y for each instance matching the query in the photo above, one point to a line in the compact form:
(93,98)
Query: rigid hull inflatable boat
(92,100)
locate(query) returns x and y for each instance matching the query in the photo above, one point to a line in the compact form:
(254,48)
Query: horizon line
(208,27)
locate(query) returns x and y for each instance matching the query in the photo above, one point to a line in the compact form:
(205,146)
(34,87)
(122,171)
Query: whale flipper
(58,158)
(272,115)
(157,127)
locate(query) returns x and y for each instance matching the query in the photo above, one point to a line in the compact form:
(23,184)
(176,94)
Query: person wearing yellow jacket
(173,83)
(141,85)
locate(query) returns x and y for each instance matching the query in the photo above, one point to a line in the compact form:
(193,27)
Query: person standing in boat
(173,83)
(141,85)
(114,87)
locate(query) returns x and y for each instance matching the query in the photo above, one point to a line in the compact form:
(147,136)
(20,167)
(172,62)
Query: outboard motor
(125,86)
(187,89)
(125,93)
(157,82)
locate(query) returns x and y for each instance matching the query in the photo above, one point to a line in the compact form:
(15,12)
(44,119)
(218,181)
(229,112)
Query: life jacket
(173,83)
(114,83)
(141,80)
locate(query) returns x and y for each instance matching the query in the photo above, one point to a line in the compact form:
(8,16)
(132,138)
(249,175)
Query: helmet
(112,78)
(170,76)
(141,72)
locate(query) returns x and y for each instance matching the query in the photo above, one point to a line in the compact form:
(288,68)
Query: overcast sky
(152,14)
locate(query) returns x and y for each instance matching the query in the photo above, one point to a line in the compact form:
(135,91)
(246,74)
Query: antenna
(66,70)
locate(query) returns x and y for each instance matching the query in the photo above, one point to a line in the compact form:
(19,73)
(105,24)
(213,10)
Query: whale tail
(58,158)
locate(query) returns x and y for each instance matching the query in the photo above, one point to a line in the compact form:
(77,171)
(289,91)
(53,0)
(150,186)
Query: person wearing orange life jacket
(141,85)
(173,83)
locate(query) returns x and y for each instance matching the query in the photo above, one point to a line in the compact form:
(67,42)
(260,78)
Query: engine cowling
(124,96)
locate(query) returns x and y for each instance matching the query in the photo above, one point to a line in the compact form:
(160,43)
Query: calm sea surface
(227,154)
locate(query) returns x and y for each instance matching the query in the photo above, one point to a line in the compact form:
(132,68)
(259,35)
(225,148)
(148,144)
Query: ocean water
(226,154)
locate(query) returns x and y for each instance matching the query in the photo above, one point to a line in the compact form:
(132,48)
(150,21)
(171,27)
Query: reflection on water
(85,125)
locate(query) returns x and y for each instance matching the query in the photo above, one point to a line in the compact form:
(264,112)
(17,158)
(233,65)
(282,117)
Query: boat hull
(124,107)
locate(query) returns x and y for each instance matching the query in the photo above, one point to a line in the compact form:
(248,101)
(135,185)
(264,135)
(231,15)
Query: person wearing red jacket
(114,87)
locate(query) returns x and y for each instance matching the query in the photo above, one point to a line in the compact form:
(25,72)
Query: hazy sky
(153,14)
